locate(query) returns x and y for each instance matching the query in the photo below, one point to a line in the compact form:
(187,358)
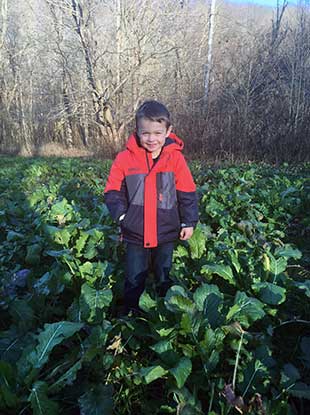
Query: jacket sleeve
(115,192)
(186,194)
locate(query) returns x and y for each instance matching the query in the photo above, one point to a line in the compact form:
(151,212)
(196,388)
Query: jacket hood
(173,142)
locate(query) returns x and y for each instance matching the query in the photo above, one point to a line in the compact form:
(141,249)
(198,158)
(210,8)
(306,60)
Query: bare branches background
(74,71)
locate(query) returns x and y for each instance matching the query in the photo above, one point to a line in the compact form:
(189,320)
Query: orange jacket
(156,198)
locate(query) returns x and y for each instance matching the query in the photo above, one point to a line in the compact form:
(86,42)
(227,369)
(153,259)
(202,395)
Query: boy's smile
(152,135)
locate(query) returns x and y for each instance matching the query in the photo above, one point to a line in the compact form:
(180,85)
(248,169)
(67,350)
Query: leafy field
(231,336)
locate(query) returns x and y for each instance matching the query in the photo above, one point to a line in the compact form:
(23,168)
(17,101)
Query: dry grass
(55,150)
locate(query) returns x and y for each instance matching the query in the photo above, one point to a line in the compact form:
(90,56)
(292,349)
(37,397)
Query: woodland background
(236,80)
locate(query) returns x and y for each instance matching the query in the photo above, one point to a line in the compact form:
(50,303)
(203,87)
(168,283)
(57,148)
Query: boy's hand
(186,233)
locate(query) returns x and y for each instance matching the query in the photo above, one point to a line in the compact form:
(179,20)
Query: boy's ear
(169,130)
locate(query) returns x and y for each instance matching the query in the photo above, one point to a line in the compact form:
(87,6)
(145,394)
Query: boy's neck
(155,156)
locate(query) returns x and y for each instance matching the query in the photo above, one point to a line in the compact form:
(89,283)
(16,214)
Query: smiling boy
(150,192)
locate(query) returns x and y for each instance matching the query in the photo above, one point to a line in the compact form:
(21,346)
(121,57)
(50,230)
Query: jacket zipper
(147,161)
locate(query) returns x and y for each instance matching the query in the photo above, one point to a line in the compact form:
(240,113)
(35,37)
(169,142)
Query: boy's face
(152,135)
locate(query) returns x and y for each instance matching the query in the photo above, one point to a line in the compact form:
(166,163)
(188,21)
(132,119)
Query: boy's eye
(146,134)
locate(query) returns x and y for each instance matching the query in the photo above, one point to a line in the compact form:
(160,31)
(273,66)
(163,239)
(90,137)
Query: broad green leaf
(33,254)
(234,259)
(277,265)
(223,271)
(8,385)
(212,362)
(170,358)
(86,268)
(152,373)
(304,286)
(99,334)
(58,254)
(177,300)
(186,323)
(165,409)
(52,335)
(96,298)
(67,378)
(246,310)
(182,371)
(202,293)
(288,251)
(40,403)
(175,290)
(11,344)
(189,404)
(58,235)
(300,390)
(95,271)
(288,191)
(81,242)
(180,252)
(197,243)
(165,332)
(8,399)
(180,303)
(95,235)
(62,211)
(213,306)
(14,236)
(289,375)
(146,302)
(214,208)
(188,350)
(90,250)
(98,400)
(209,342)
(42,284)
(6,372)
(22,313)
(74,312)
(162,346)
(191,322)
(269,293)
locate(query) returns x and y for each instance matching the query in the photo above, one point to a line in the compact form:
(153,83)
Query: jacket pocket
(132,224)
(168,221)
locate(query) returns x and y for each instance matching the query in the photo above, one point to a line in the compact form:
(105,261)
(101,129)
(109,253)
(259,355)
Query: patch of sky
(270,3)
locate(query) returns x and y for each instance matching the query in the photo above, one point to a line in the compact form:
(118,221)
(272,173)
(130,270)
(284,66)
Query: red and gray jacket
(156,198)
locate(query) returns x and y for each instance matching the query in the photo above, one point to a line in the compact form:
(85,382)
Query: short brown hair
(154,111)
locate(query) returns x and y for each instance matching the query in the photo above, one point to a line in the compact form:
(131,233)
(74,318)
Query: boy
(150,192)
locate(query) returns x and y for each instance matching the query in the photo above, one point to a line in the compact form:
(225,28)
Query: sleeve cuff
(188,225)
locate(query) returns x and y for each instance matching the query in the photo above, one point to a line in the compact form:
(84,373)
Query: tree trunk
(209,56)
(101,106)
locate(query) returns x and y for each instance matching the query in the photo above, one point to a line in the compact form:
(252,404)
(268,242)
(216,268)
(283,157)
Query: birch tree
(210,50)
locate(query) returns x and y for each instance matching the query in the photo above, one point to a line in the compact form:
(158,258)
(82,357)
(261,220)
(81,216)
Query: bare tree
(74,71)
(210,46)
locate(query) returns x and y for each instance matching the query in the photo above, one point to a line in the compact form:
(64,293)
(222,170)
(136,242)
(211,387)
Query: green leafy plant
(230,336)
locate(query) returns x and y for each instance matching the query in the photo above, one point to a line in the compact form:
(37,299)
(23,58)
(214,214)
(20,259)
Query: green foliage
(182,371)
(97,400)
(40,403)
(237,314)
(52,335)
